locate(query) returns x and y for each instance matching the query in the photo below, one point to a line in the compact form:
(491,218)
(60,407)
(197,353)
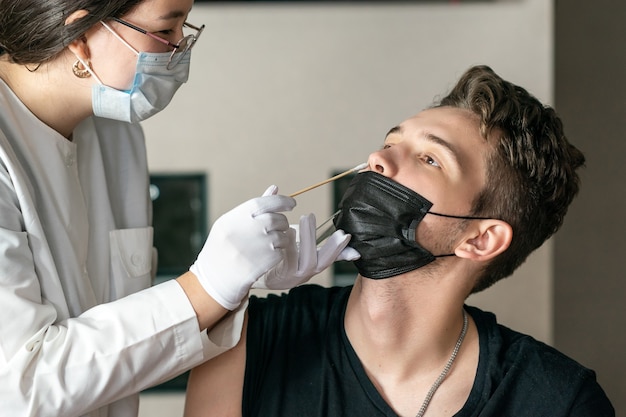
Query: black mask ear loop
(451,216)
(411,232)
(411,236)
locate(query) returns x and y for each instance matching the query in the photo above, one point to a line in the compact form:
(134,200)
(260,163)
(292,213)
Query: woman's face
(113,61)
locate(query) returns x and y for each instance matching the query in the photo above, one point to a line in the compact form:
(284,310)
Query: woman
(81,332)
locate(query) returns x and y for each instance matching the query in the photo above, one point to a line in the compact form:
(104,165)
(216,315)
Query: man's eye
(431,161)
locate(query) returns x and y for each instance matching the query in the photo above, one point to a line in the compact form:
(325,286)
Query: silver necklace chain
(445,371)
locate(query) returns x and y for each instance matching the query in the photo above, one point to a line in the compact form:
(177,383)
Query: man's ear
(487,239)
(78,46)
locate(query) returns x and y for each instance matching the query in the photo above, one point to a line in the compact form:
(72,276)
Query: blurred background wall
(589,274)
(287,93)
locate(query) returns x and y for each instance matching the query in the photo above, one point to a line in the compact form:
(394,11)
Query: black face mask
(382,216)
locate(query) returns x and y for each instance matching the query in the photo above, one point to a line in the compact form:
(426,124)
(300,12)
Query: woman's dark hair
(531,173)
(34,31)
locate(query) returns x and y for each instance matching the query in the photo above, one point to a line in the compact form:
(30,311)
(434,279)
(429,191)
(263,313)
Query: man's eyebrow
(431,137)
(395,129)
(450,149)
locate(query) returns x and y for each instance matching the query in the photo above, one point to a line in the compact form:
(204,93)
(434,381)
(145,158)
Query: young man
(456,199)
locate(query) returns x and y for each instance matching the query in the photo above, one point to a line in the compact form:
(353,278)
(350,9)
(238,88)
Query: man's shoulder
(304,293)
(521,349)
(303,304)
(517,366)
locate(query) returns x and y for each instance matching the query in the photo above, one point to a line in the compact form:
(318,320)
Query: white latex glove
(303,262)
(243,244)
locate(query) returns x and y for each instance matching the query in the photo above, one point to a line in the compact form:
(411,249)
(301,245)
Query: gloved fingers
(271,203)
(256,235)
(290,261)
(348,254)
(271,190)
(286,268)
(331,249)
(272,222)
(283,239)
(307,260)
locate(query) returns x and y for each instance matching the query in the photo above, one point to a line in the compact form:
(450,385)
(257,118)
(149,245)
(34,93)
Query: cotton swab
(336,177)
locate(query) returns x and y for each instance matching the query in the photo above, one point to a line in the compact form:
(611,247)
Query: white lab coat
(75,241)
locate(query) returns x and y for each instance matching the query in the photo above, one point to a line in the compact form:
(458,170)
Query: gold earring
(79,70)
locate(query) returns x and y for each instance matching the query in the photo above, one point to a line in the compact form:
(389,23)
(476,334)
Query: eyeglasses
(180,49)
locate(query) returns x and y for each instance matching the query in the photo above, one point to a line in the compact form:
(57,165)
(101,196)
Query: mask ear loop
(451,216)
(88,68)
(119,37)
(411,232)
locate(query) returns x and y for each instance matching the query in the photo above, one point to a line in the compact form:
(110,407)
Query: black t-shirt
(300,364)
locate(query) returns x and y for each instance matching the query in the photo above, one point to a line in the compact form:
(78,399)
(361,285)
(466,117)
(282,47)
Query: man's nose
(382,163)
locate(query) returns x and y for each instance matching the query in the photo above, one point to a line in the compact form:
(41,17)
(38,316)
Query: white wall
(285,94)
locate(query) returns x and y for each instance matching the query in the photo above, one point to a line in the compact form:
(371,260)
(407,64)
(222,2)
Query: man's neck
(403,330)
(394,314)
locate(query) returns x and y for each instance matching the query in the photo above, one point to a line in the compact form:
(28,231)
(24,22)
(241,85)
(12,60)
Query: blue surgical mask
(153,87)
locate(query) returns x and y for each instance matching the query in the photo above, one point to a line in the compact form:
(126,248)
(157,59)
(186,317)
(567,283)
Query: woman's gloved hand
(244,244)
(303,261)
